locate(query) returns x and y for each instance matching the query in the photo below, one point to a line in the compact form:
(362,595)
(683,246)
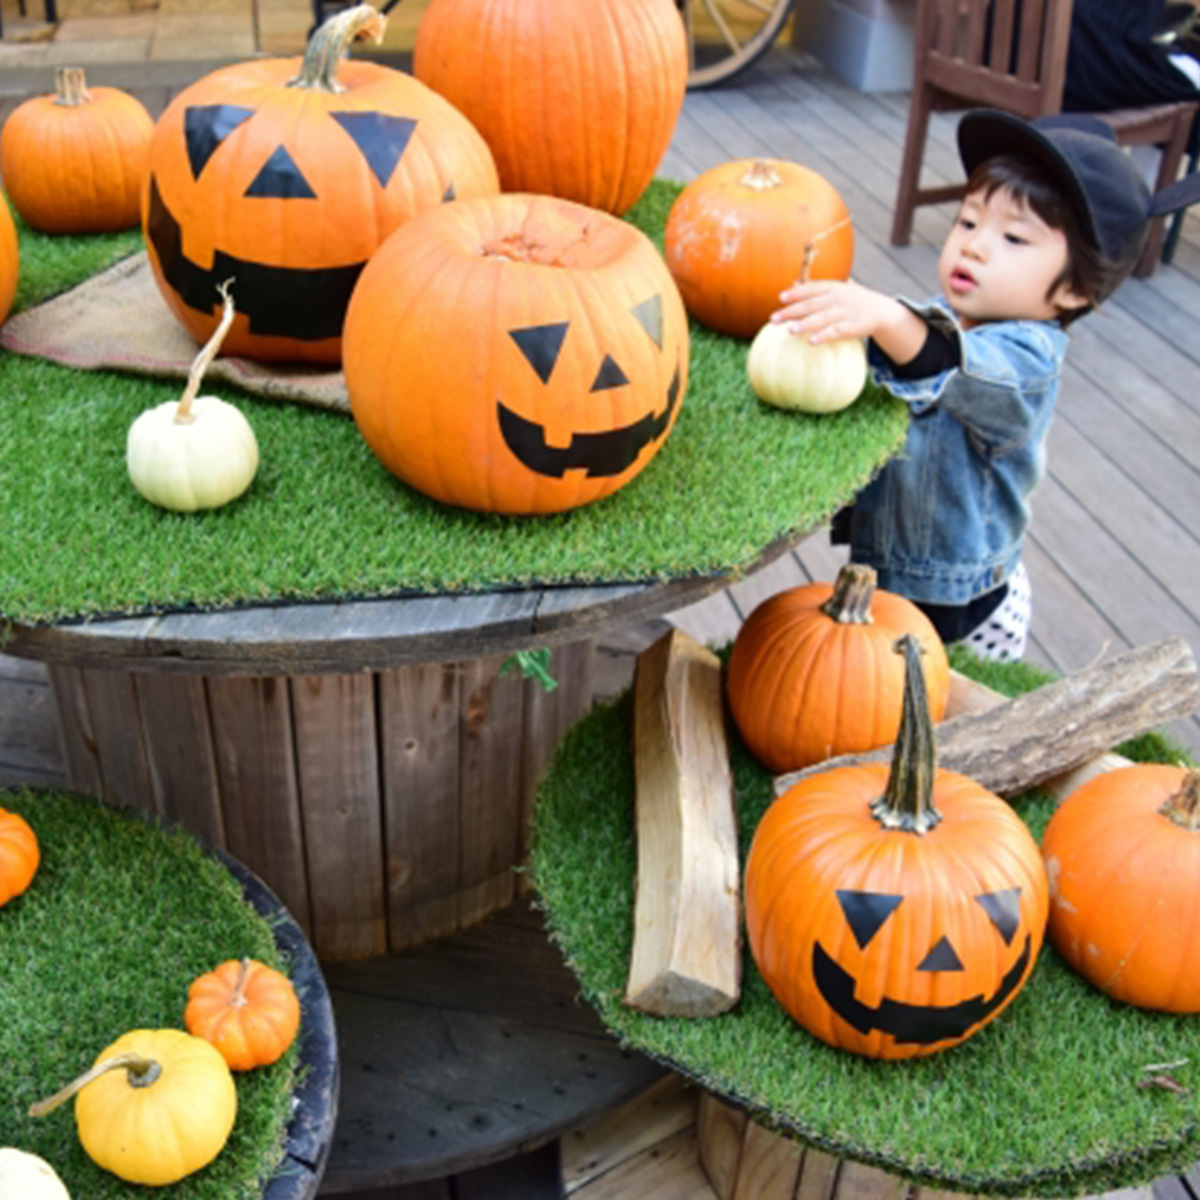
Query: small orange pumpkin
(1123,857)
(75,162)
(813,673)
(10,260)
(285,176)
(516,354)
(248,1010)
(739,234)
(894,912)
(576,99)
(19,855)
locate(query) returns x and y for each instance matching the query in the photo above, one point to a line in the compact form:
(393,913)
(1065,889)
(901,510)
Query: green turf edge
(121,916)
(997,1126)
(733,478)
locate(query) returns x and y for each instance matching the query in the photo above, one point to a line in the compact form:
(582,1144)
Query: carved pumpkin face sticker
(288,189)
(518,354)
(884,941)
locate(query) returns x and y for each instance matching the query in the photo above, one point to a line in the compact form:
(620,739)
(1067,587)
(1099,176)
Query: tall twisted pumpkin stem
(142,1071)
(183,411)
(70,87)
(853,591)
(907,802)
(1184,806)
(329,45)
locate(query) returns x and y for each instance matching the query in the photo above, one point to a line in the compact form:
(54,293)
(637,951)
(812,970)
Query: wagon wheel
(727,36)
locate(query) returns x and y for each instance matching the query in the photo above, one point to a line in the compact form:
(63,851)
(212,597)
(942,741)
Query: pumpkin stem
(761,176)
(70,88)
(328,46)
(811,250)
(183,412)
(238,999)
(1184,806)
(853,591)
(142,1071)
(907,802)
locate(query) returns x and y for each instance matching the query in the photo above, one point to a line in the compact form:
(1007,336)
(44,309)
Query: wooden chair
(1012,55)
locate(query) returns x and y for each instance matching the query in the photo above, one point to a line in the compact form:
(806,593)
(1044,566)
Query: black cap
(1079,153)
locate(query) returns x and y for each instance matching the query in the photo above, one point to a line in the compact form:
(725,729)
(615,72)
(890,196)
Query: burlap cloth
(118,321)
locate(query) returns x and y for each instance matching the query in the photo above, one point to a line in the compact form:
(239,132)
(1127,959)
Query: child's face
(999,261)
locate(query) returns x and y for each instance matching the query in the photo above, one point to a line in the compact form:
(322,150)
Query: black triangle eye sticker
(206,126)
(381,138)
(541,345)
(941,958)
(649,316)
(281,178)
(866,912)
(609,376)
(1004,908)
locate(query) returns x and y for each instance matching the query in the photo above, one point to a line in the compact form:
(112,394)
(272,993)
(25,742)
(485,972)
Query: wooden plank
(668,1171)
(80,758)
(180,755)
(30,746)
(491,805)
(720,1134)
(337,762)
(593,1150)
(713,621)
(256,773)
(770,1166)
(117,729)
(419,736)
(818,1176)
(534,1175)
(785,572)
(857,1181)
(686,959)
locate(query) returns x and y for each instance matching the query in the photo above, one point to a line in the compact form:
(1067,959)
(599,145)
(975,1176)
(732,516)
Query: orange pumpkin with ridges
(20,855)
(813,673)
(248,1010)
(10,261)
(286,176)
(739,234)
(75,162)
(1123,857)
(894,912)
(516,354)
(577,100)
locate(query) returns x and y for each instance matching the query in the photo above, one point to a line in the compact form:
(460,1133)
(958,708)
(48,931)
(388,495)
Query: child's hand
(828,309)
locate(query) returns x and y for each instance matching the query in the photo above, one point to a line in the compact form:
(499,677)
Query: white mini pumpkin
(197,452)
(24,1176)
(785,370)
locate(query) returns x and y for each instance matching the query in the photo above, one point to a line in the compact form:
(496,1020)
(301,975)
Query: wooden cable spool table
(375,766)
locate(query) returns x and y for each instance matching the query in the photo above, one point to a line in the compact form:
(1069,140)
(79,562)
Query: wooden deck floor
(1114,553)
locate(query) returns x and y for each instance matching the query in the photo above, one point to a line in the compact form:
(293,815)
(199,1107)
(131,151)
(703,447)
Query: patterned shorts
(1002,636)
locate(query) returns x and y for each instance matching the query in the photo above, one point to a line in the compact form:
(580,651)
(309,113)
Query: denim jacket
(944,521)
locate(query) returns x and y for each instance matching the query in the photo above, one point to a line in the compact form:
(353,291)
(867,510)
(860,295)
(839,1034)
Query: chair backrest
(1009,54)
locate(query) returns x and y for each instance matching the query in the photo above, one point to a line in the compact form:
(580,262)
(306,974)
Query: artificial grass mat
(118,920)
(1043,1101)
(325,520)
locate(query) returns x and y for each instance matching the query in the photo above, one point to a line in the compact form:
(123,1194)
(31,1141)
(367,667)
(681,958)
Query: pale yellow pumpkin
(157,1105)
(24,1176)
(197,452)
(788,372)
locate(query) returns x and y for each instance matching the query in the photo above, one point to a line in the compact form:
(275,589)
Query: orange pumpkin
(286,177)
(19,855)
(516,354)
(741,233)
(894,912)
(813,673)
(1123,857)
(75,162)
(248,1010)
(10,261)
(577,100)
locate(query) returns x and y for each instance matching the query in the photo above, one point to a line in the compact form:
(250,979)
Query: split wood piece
(1045,733)
(687,929)
(744,1160)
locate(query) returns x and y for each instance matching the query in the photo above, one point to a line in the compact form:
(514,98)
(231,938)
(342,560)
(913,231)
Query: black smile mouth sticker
(910,1024)
(598,454)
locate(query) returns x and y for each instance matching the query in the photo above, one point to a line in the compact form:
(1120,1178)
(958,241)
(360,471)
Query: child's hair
(1088,272)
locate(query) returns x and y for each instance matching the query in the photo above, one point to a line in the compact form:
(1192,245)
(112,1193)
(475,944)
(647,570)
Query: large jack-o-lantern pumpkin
(516,354)
(286,177)
(895,913)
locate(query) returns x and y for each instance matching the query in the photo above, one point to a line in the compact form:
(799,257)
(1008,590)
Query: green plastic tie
(533,664)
